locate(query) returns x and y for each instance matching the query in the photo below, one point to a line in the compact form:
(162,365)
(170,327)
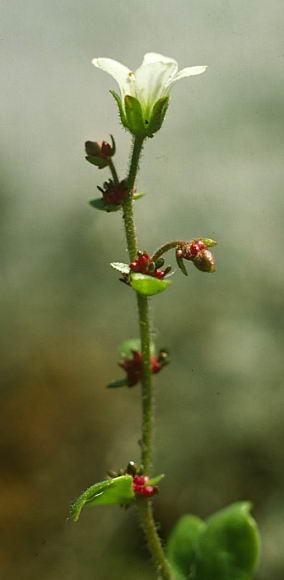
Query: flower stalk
(144,505)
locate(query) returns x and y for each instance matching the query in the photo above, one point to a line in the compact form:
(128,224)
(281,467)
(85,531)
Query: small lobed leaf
(208,242)
(121,267)
(138,195)
(118,490)
(148,285)
(181,265)
(117,384)
(99,204)
(100,163)
(155,480)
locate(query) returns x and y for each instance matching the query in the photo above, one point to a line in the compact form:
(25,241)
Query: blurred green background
(216,170)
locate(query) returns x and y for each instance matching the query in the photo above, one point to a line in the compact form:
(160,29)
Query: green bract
(226,547)
(111,491)
(148,285)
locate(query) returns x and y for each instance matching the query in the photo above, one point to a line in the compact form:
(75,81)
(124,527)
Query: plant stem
(166,248)
(144,505)
(146,517)
(113,172)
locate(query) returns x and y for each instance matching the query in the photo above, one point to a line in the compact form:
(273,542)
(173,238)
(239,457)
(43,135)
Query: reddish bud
(114,194)
(101,150)
(134,366)
(144,265)
(141,488)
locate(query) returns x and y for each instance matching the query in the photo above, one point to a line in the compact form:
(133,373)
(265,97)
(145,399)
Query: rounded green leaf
(118,490)
(183,544)
(229,546)
(148,285)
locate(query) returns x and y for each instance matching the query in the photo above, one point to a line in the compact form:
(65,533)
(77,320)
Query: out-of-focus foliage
(215,170)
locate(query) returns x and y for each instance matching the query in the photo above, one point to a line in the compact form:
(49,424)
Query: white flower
(151,82)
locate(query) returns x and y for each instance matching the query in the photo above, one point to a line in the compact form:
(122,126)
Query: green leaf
(229,547)
(128,346)
(156,479)
(134,116)
(123,268)
(100,163)
(99,204)
(183,544)
(208,242)
(148,285)
(120,108)
(117,384)
(112,491)
(138,195)
(181,265)
(157,116)
(226,547)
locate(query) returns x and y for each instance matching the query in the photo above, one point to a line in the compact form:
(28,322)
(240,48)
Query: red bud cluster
(114,194)
(134,366)
(141,487)
(144,265)
(197,252)
(101,150)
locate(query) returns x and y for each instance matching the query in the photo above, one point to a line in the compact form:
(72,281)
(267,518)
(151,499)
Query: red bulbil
(114,194)
(155,365)
(141,488)
(189,251)
(106,150)
(144,265)
(134,367)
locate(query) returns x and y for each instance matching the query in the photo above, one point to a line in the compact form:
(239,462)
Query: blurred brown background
(216,169)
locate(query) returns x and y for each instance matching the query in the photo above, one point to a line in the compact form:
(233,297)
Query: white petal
(151,57)
(118,71)
(152,80)
(186,72)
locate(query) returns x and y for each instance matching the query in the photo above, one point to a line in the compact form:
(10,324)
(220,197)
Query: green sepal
(182,545)
(134,116)
(148,285)
(229,546)
(157,115)
(117,384)
(128,346)
(120,108)
(138,195)
(100,163)
(99,204)
(181,265)
(208,242)
(121,267)
(111,491)
(155,480)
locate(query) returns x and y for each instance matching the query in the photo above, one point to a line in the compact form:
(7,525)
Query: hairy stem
(166,248)
(113,171)
(144,505)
